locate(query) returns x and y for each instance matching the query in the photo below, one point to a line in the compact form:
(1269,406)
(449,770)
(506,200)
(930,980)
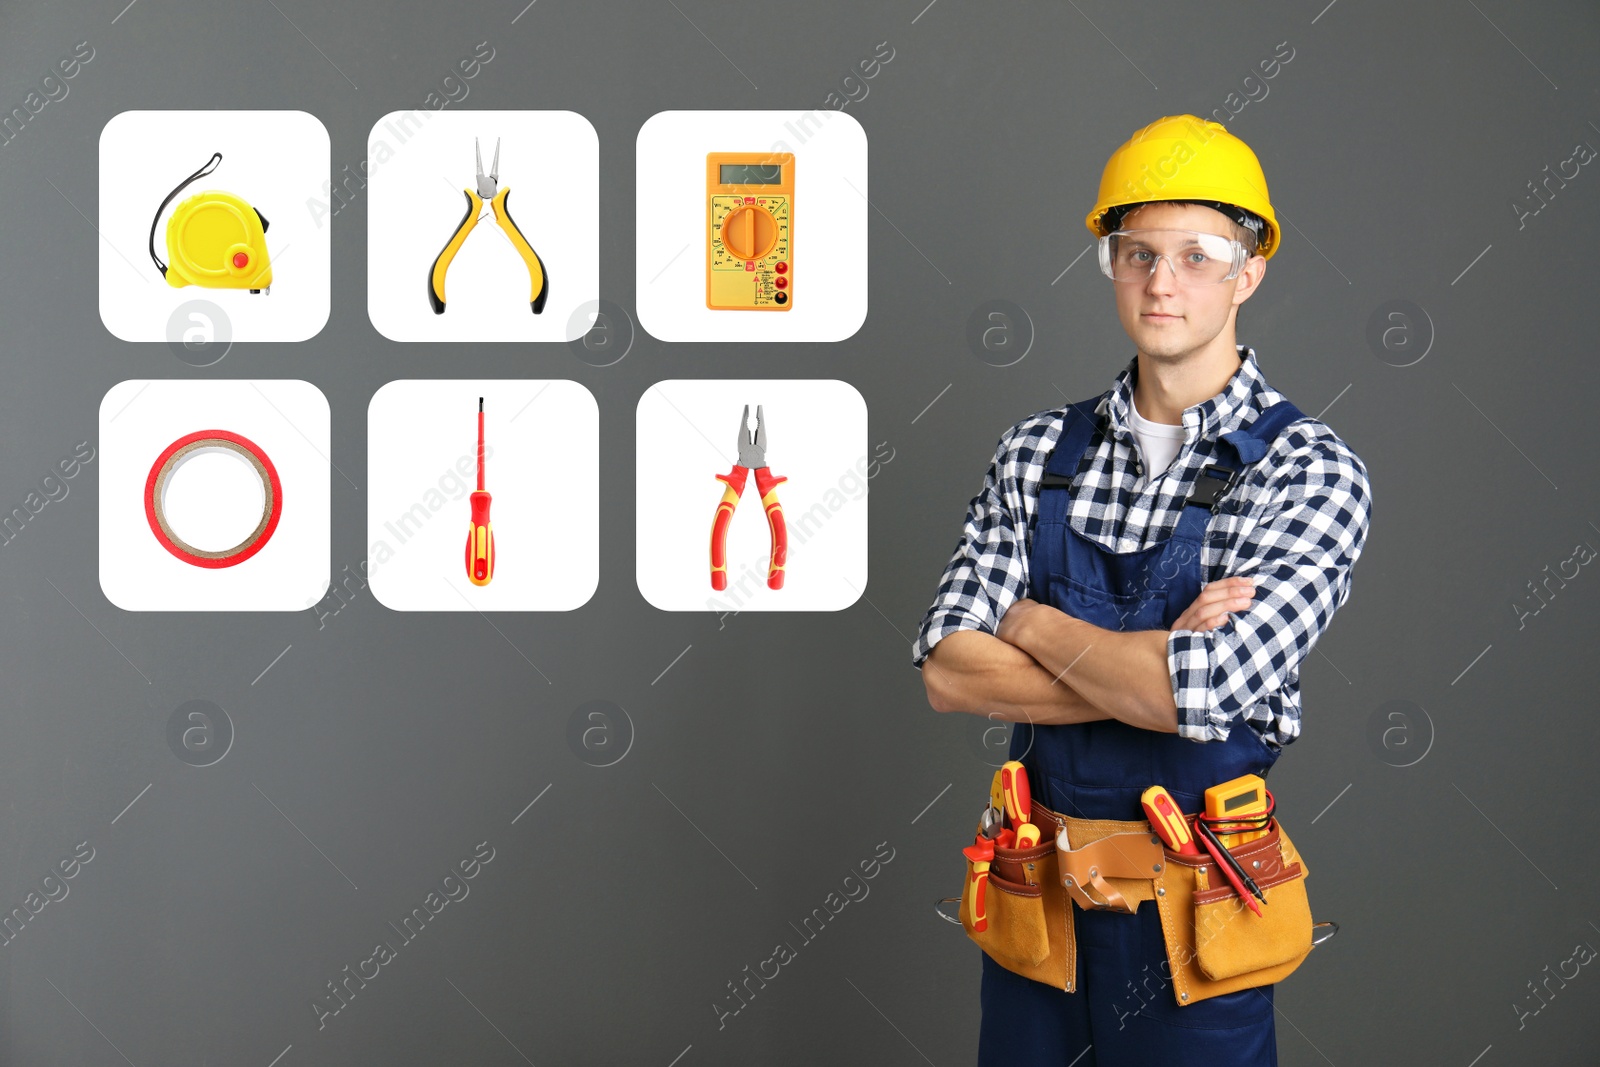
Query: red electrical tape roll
(172,457)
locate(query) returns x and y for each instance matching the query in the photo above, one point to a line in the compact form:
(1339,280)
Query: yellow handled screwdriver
(480,536)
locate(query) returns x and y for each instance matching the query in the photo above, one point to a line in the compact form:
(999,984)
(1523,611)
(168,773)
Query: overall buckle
(1212,485)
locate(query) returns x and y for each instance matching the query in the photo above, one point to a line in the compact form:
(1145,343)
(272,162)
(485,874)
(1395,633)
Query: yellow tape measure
(214,239)
(750,231)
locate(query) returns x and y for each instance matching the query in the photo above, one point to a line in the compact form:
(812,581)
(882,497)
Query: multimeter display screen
(1234,803)
(750,174)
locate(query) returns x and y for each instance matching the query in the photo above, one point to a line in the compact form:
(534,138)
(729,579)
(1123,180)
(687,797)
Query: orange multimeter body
(1237,798)
(750,231)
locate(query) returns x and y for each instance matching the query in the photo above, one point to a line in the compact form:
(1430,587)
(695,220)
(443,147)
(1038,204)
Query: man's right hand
(1210,609)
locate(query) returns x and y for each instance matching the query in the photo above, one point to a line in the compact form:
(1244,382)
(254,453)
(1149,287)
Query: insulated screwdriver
(480,536)
(1168,821)
(1015,793)
(1018,800)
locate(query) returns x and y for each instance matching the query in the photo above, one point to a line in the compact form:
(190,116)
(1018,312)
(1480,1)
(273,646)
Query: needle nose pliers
(752,457)
(488,190)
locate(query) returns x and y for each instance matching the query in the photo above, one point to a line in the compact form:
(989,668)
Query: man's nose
(1158,284)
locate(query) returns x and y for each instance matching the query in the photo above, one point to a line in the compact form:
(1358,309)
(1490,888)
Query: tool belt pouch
(1113,869)
(1028,930)
(1215,943)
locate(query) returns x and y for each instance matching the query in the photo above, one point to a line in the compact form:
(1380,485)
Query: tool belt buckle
(1120,855)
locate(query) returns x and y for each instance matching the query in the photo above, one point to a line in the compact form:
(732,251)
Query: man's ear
(1250,276)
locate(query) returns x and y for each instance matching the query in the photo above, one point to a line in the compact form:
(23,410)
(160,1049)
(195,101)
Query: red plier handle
(767,484)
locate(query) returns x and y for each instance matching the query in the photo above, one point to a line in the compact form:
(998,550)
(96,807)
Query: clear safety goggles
(1195,258)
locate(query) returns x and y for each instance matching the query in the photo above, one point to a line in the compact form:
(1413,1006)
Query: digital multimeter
(750,231)
(1237,798)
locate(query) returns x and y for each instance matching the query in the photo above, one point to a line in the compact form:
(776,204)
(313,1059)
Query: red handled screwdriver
(480,537)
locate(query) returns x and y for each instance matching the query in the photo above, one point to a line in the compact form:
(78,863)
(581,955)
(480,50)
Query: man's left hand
(1016,618)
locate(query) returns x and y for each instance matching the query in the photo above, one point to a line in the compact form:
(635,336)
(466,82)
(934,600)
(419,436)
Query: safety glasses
(1195,258)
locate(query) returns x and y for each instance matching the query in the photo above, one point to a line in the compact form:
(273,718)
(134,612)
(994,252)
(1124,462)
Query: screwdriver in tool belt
(1018,799)
(1168,821)
(480,536)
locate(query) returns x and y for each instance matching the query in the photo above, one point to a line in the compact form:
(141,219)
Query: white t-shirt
(1159,441)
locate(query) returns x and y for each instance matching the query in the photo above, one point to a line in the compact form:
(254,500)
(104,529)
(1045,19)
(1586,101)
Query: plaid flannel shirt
(1296,521)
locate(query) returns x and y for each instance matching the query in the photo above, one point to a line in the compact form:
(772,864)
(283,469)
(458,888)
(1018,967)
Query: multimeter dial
(750,248)
(749,232)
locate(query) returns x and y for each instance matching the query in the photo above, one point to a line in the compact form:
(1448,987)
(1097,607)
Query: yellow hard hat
(1181,157)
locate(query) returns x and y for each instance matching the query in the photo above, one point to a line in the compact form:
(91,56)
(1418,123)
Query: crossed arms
(1044,666)
(987,648)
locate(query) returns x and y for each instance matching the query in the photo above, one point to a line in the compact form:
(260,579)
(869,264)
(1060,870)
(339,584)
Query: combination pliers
(752,457)
(488,189)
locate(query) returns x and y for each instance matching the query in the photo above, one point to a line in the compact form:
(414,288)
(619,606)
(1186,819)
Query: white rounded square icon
(427,549)
(796,537)
(255,216)
(214,495)
(527,267)
(751,225)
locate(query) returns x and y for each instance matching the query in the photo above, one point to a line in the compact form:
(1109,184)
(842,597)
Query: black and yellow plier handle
(489,190)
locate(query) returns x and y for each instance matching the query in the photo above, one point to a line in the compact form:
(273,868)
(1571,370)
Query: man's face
(1169,320)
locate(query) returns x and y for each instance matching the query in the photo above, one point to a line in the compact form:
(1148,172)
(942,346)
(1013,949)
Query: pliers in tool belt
(752,457)
(488,189)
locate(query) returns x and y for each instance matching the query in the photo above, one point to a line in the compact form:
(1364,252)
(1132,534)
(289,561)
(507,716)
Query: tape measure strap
(209,166)
(173,457)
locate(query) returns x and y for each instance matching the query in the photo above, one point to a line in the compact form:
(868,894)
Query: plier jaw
(752,457)
(490,185)
(752,444)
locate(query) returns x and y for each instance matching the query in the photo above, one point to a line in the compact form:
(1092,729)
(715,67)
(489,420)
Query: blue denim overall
(1122,1012)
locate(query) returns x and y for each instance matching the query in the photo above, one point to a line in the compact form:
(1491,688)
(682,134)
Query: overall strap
(1239,449)
(1048,554)
(1077,435)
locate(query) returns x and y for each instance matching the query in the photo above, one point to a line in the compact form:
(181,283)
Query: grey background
(779,750)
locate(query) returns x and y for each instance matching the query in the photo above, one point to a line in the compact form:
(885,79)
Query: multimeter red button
(240,259)
(782,298)
(782,283)
(782,268)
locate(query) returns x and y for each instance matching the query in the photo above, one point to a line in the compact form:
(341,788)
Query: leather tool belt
(1215,943)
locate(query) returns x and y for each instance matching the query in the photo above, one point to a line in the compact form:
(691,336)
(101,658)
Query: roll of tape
(199,443)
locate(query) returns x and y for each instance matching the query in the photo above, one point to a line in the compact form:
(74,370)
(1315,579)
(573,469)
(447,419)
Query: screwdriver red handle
(480,542)
(1015,792)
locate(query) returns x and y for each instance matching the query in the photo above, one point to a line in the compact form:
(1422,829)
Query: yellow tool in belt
(1238,809)
(489,189)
